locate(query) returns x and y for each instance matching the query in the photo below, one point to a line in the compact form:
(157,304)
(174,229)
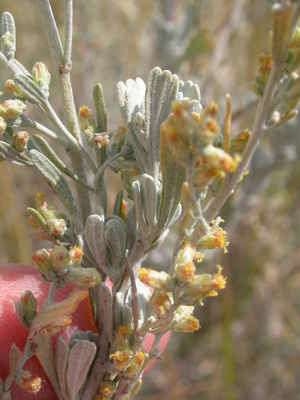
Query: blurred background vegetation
(249,345)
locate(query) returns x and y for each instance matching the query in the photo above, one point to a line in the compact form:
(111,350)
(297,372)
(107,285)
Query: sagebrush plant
(178,162)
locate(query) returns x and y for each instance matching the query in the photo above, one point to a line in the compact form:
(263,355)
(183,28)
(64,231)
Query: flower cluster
(48,224)
(175,295)
(193,138)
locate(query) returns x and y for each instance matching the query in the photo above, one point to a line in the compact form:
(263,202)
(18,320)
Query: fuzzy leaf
(173,176)
(100,108)
(81,356)
(30,89)
(94,236)
(44,353)
(162,89)
(61,354)
(55,177)
(7,35)
(103,303)
(192,91)
(38,217)
(47,150)
(146,198)
(115,236)
(131,97)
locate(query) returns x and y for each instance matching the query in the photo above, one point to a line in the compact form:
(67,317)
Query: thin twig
(59,124)
(27,122)
(68,31)
(231,181)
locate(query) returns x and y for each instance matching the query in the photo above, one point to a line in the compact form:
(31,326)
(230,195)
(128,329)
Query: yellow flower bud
(184,265)
(184,321)
(60,259)
(41,77)
(209,131)
(42,259)
(76,254)
(162,302)
(218,159)
(122,359)
(20,140)
(206,285)
(154,279)
(107,389)
(29,383)
(13,89)
(12,108)
(57,226)
(85,112)
(216,238)
(136,364)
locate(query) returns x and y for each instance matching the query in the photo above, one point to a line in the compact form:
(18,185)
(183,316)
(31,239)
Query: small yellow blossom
(136,364)
(184,265)
(217,158)
(219,279)
(162,301)
(29,383)
(122,359)
(76,254)
(184,321)
(154,279)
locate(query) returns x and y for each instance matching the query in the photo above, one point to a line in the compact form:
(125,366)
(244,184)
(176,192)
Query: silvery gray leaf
(55,177)
(143,296)
(136,138)
(146,200)
(61,354)
(191,90)
(115,236)
(31,89)
(173,176)
(7,35)
(118,204)
(81,356)
(162,89)
(94,236)
(47,150)
(122,311)
(103,303)
(100,108)
(131,227)
(19,67)
(131,97)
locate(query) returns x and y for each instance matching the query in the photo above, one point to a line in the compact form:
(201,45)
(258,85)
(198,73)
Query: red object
(15,279)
